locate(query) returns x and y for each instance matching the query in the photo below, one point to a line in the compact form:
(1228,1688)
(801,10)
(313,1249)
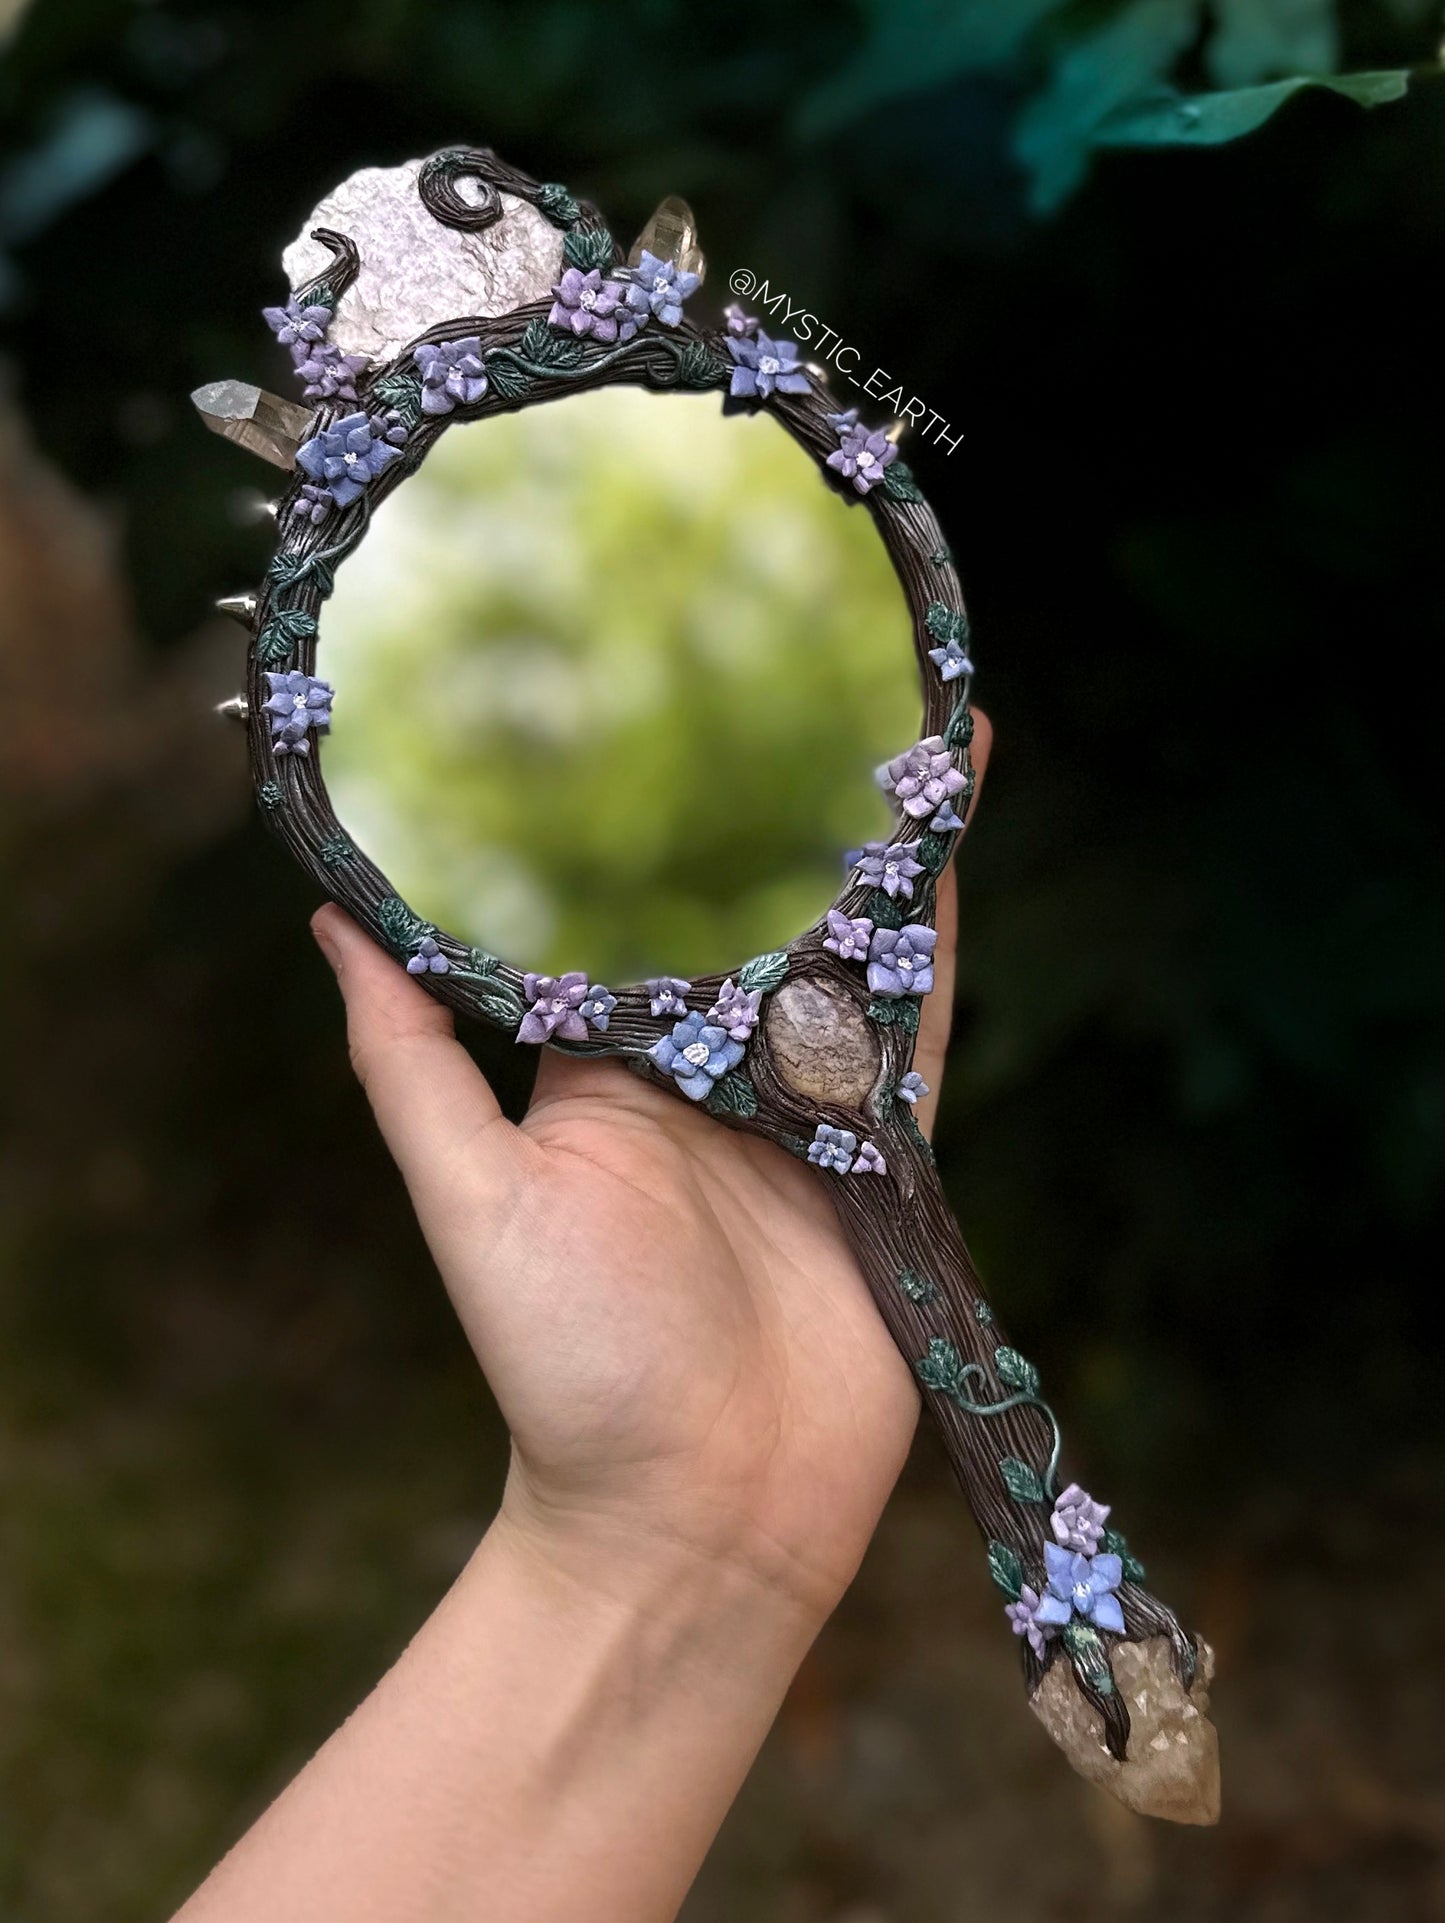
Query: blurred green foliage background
(1195,1118)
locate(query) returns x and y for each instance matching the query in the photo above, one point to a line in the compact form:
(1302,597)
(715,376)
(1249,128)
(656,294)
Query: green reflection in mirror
(612,676)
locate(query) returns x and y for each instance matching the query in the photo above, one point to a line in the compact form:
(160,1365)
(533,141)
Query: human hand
(668,1312)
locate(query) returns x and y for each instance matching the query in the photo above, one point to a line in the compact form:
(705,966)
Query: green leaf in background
(1205,120)
(1006,1569)
(1258,40)
(1020,1480)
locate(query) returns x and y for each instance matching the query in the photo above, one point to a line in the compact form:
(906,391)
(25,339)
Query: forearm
(555,1743)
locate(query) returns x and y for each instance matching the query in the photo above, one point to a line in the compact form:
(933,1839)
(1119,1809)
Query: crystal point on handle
(262,423)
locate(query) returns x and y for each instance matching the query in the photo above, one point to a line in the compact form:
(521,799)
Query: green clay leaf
(982,1312)
(1016,1373)
(557,204)
(481,964)
(941,1368)
(898,480)
(764,971)
(696,367)
(588,247)
(1020,1480)
(883,911)
(507,381)
(1113,1542)
(336,850)
(281,635)
(916,1287)
(945,623)
(401,392)
(933,851)
(400,928)
(548,348)
(733,1095)
(1006,1569)
(959,732)
(907,1016)
(1086,1647)
(269,795)
(501,1006)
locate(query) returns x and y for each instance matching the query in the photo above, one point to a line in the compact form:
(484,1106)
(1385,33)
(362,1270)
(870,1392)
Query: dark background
(1195,1119)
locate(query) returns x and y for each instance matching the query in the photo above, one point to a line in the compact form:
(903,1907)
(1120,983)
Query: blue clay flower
(1078,1521)
(951,660)
(1081,1586)
(312,503)
(947,821)
(556,1007)
(596,1007)
(900,961)
(842,422)
(922,778)
(848,939)
(452,374)
(763,365)
(891,868)
(833,1148)
(870,1160)
(861,457)
(586,305)
(428,958)
(328,373)
(658,288)
(1024,1616)
(295,325)
(696,1054)
(667,992)
(740,322)
(299,705)
(911,1088)
(348,456)
(736,1009)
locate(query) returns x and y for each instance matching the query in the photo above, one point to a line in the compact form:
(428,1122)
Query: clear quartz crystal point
(671,234)
(261,422)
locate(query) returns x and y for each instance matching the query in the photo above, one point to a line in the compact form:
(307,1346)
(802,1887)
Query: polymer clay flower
(696,1054)
(312,503)
(951,660)
(1078,1521)
(428,959)
(855,855)
(870,1160)
(841,422)
(762,365)
(739,321)
(861,457)
(658,288)
(452,374)
(736,1009)
(295,324)
(588,305)
(556,1007)
(848,939)
(947,821)
(911,1088)
(596,1007)
(892,869)
(1081,1586)
(348,456)
(833,1148)
(922,778)
(299,704)
(1024,1616)
(900,961)
(667,992)
(328,373)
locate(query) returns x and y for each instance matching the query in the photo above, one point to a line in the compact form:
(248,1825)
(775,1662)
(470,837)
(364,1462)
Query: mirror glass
(613,674)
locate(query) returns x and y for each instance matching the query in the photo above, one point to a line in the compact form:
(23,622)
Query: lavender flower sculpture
(763,365)
(696,1054)
(947,821)
(428,959)
(298,323)
(328,373)
(1078,1521)
(1024,1616)
(846,938)
(347,457)
(667,994)
(299,705)
(911,1088)
(870,1160)
(452,374)
(922,778)
(586,305)
(739,322)
(951,660)
(596,1007)
(900,960)
(1081,1586)
(833,1148)
(657,290)
(862,458)
(892,869)
(736,1010)
(556,1008)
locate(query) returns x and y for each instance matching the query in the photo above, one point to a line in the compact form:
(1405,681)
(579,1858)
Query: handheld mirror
(635,552)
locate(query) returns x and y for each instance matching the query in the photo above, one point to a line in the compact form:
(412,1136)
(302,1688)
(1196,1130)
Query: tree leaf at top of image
(1208,120)
(1257,40)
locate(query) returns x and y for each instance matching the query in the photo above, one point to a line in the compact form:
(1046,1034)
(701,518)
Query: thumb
(436,1112)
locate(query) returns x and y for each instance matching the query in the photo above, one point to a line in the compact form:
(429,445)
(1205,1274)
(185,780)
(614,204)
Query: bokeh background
(1195,1118)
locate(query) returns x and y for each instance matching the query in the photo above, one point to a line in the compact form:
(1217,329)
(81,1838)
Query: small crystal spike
(254,419)
(236,708)
(671,234)
(240,607)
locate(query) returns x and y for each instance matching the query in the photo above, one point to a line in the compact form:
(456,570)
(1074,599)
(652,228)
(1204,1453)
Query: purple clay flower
(870,1160)
(587,304)
(922,778)
(891,868)
(740,323)
(763,365)
(861,457)
(855,856)
(428,959)
(736,1009)
(1081,1586)
(596,1007)
(947,821)
(348,456)
(556,1008)
(667,993)
(696,1054)
(900,961)
(848,939)
(298,704)
(912,1088)
(1024,1615)
(328,373)
(658,288)
(452,374)
(833,1148)
(1078,1521)
(842,422)
(312,503)
(295,325)
(951,660)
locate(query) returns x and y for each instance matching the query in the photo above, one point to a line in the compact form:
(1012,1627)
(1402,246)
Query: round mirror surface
(612,676)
